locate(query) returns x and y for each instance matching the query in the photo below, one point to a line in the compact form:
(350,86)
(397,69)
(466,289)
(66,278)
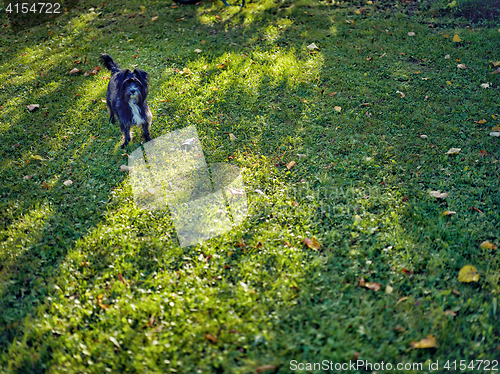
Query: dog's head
(133,85)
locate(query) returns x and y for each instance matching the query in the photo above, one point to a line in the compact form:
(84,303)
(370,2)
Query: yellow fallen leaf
(428,342)
(337,108)
(232,137)
(449,212)
(488,245)
(388,289)
(496,128)
(481,121)
(456,38)
(371,2)
(290,165)
(402,299)
(468,274)
(357,11)
(357,218)
(154,18)
(312,243)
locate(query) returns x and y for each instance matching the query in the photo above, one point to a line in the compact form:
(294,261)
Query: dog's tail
(109,64)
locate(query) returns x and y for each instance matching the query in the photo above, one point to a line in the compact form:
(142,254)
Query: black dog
(126,98)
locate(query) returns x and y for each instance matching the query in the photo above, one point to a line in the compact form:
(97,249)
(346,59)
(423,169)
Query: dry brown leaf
(151,320)
(33,107)
(450,312)
(75,71)
(312,47)
(121,279)
(312,243)
(263,368)
(372,286)
(438,195)
(453,151)
(92,72)
(210,337)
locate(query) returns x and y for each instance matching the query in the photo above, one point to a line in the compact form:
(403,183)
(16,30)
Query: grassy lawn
(89,283)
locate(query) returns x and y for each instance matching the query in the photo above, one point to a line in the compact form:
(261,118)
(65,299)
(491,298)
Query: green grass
(91,284)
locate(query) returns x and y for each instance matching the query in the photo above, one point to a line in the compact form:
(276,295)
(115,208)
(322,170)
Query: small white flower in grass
(197,50)
(68,183)
(411,33)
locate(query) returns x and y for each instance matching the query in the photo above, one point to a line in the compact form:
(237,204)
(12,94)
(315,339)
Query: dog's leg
(126,134)
(145,131)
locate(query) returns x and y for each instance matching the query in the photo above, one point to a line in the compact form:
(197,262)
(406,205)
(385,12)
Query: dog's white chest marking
(136,114)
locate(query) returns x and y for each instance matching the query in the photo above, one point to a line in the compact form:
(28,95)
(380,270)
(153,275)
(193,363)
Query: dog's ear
(144,78)
(120,77)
